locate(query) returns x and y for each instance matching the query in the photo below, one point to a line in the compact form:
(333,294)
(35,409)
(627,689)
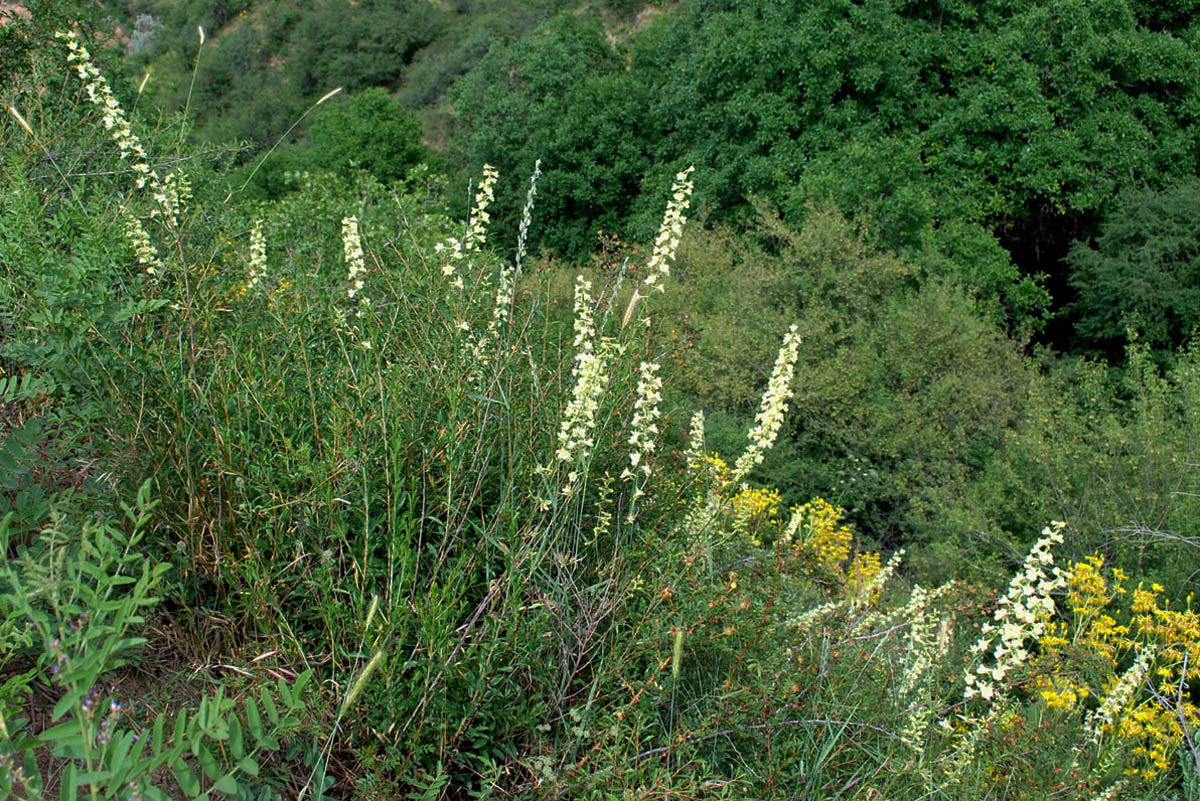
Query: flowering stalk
(113,116)
(914,690)
(645,417)
(667,241)
(353,252)
(695,451)
(502,309)
(769,420)
(1101,719)
(1020,618)
(170,192)
(143,249)
(591,377)
(645,430)
(257,269)
(477,225)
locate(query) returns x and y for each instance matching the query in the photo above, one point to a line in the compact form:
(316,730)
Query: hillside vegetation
(714,400)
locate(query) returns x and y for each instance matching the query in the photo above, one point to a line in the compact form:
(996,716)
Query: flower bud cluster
(591,377)
(170,192)
(257,268)
(919,655)
(353,252)
(527,213)
(108,723)
(477,225)
(1101,719)
(1020,618)
(774,406)
(143,249)
(645,419)
(670,232)
(695,451)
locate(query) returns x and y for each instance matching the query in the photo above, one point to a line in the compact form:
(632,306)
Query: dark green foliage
(946,125)
(356,45)
(1143,271)
(368,131)
(554,95)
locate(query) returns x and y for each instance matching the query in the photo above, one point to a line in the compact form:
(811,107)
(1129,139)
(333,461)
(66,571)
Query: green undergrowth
(417,520)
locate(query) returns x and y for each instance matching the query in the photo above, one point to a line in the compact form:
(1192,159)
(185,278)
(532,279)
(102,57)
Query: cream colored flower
(670,232)
(353,252)
(774,406)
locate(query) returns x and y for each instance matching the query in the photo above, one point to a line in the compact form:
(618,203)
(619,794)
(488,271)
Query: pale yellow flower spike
(774,406)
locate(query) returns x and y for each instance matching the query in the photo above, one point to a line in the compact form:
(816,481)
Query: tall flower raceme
(1019,620)
(256,269)
(920,652)
(143,248)
(170,192)
(695,451)
(113,116)
(644,434)
(645,420)
(576,435)
(505,287)
(667,241)
(353,252)
(454,251)
(1102,719)
(477,225)
(774,406)
(508,273)
(670,232)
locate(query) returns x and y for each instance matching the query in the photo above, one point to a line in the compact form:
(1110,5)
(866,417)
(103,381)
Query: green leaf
(248,766)
(208,761)
(188,782)
(269,705)
(254,719)
(181,721)
(118,756)
(226,784)
(67,702)
(156,741)
(92,778)
(237,744)
(63,734)
(66,788)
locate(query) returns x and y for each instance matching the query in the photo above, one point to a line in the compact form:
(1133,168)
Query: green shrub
(1143,271)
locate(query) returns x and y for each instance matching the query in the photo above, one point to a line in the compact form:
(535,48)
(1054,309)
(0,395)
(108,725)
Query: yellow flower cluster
(756,502)
(862,576)
(756,513)
(1141,704)
(817,528)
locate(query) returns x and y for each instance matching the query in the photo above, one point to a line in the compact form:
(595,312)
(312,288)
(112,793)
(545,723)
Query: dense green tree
(954,126)
(369,131)
(511,111)
(1143,271)
(355,45)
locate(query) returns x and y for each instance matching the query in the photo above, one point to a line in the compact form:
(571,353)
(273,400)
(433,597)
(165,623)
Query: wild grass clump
(378,459)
